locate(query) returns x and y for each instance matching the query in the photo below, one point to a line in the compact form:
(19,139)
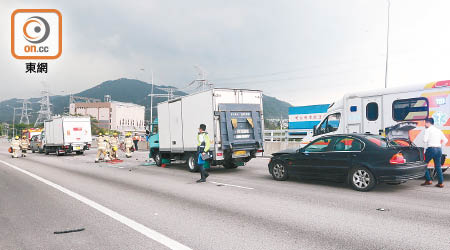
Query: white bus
(390,112)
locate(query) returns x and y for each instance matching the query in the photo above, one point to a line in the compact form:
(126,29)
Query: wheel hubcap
(361,178)
(278,170)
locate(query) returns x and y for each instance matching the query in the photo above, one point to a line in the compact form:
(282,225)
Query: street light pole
(151,101)
(387,44)
(151,106)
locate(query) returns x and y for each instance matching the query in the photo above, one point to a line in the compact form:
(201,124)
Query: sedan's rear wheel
(279,172)
(362,179)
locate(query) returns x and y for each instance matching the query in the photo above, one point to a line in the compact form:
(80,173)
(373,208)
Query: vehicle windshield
(384,142)
(330,124)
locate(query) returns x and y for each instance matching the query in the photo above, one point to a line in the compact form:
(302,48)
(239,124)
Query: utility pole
(202,81)
(25,118)
(14,122)
(151,98)
(45,112)
(169,91)
(151,104)
(387,44)
(169,94)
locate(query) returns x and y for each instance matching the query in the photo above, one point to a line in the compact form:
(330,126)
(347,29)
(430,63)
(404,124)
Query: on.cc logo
(36,29)
(36,34)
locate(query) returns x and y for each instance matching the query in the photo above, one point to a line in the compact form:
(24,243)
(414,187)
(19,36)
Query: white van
(393,112)
(66,134)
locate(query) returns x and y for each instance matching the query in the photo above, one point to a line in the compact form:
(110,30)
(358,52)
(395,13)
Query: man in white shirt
(434,140)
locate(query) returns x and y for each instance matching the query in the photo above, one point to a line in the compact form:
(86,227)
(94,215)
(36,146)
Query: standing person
(15,145)
(102,150)
(114,142)
(203,145)
(128,145)
(108,146)
(136,139)
(434,140)
(24,144)
(100,137)
(147,134)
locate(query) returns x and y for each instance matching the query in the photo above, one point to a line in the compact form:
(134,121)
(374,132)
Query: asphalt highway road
(132,206)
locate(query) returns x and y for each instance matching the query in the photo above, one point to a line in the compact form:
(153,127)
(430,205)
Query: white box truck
(393,112)
(66,134)
(234,122)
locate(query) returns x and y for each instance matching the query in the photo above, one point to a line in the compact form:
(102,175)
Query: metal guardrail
(285,135)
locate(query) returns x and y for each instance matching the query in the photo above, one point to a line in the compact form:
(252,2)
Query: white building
(113,115)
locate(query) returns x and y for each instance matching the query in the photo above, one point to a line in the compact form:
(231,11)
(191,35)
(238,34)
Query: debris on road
(69,231)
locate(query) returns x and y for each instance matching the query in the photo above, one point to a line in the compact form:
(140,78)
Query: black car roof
(352,134)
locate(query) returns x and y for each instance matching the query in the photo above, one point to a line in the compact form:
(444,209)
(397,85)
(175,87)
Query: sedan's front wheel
(361,179)
(279,171)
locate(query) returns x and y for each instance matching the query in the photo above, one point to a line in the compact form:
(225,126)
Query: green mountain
(123,90)
(274,108)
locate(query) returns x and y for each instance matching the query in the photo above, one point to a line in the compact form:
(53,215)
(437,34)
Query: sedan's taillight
(397,159)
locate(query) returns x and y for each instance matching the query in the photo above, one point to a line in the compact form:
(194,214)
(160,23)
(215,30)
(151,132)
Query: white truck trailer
(234,121)
(66,134)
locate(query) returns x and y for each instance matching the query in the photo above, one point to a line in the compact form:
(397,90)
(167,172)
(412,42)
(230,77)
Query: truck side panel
(250,97)
(164,126)
(54,132)
(77,131)
(224,96)
(176,126)
(197,109)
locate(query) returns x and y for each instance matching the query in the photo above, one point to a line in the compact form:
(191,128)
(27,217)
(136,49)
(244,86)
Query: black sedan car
(362,160)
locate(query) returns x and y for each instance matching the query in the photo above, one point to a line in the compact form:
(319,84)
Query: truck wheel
(193,167)
(158,159)
(46,151)
(229,165)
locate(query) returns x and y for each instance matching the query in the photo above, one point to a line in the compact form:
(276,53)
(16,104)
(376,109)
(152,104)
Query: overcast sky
(301,51)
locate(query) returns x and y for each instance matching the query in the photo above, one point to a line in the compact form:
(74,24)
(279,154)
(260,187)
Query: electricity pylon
(45,112)
(25,117)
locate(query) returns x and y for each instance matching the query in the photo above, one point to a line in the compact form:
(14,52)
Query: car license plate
(240,153)
(77,148)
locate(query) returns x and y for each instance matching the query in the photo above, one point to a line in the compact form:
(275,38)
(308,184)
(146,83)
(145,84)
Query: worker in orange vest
(136,139)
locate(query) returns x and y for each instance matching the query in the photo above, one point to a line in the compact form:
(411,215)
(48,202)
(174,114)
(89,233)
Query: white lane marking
(160,238)
(229,185)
